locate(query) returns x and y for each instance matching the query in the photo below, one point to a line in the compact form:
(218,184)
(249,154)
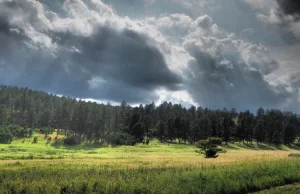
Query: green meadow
(43,167)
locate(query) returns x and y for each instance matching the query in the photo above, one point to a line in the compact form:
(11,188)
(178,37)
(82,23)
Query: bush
(72,140)
(294,155)
(209,147)
(211,152)
(215,140)
(209,142)
(203,144)
(5,137)
(120,138)
(46,131)
(35,139)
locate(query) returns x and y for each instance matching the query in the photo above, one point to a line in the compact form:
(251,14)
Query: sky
(241,54)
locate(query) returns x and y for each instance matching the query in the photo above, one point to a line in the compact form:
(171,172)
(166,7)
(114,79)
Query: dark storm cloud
(286,17)
(87,49)
(23,65)
(122,56)
(109,64)
(290,7)
(125,55)
(225,81)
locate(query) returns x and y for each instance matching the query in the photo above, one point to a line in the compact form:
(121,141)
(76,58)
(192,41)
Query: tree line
(124,125)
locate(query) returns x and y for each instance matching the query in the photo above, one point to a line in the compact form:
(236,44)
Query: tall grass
(80,178)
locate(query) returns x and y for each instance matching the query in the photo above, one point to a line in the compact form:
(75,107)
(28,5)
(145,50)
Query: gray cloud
(285,16)
(226,81)
(142,8)
(185,49)
(229,72)
(127,64)
(290,7)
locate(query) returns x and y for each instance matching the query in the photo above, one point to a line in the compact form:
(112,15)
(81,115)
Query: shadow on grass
(232,146)
(229,146)
(258,146)
(267,147)
(294,146)
(79,147)
(253,146)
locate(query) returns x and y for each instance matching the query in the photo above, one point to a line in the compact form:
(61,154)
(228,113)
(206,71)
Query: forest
(23,110)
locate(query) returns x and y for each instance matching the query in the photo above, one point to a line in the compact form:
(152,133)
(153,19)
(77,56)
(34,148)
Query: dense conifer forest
(23,110)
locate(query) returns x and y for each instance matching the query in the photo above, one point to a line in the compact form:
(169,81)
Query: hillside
(126,125)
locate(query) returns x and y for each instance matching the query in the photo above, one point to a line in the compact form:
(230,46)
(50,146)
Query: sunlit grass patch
(77,177)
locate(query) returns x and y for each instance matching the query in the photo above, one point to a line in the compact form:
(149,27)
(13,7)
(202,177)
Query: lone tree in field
(209,147)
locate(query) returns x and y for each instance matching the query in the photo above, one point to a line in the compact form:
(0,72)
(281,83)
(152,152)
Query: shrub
(215,140)
(120,138)
(5,137)
(35,139)
(294,155)
(46,130)
(30,157)
(72,140)
(211,152)
(209,147)
(203,144)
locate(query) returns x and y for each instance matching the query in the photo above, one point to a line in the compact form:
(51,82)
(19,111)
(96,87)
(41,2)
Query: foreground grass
(63,177)
(156,168)
(288,189)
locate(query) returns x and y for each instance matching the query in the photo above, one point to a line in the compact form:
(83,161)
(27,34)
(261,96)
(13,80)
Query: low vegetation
(20,177)
(209,147)
(287,189)
(45,167)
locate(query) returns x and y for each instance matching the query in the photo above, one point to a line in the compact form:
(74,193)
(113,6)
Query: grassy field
(288,189)
(156,168)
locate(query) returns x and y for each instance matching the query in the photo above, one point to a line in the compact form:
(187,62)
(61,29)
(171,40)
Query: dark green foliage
(294,155)
(27,109)
(259,131)
(5,137)
(35,139)
(120,138)
(138,132)
(215,140)
(209,147)
(289,134)
(211,152)
(162,131)
(71,140)
(46,130)
(203,144)
(8,132)
(276,139)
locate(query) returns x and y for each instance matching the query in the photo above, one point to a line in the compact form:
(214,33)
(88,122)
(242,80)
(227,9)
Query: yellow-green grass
(287,189)
(61,177)
(155,168)
(154,155)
